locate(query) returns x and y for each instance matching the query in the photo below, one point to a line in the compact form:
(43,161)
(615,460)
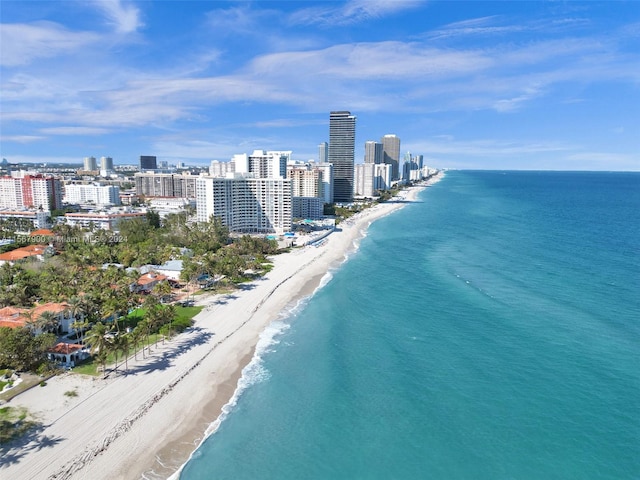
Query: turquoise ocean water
(490,331)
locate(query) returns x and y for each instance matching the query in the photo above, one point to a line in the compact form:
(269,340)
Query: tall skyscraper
(323,152)
(342,135)
(106,163)
(90,164)
(391,154)
(148,162)
(373,152)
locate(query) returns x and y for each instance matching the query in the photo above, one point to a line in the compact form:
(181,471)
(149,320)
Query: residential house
(35,252)
(67,354)
(149,280)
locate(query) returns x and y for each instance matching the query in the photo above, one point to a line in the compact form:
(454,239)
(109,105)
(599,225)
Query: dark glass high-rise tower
(148,162)
(342,136)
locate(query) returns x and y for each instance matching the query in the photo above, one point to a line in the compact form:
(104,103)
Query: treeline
(206,248)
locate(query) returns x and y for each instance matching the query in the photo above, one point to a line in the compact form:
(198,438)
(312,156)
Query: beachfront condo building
(382,177)
(342,134)
(246,203)
(391,154)
(364,180)
(327,181)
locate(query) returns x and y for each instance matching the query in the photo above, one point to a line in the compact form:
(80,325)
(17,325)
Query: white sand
(146,424)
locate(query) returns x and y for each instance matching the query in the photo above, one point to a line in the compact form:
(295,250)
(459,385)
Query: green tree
(47,322)
(98,338)
(20,350)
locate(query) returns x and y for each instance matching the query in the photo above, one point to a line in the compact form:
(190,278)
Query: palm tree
(168,316)
(76,308)
(29,320)
(47,321)
(161,289)
(123,344)
(100,343)
(137,335)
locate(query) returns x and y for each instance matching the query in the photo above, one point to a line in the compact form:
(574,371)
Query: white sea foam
(254,373)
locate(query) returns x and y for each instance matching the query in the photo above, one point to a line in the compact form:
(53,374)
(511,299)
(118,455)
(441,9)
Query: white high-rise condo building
(221,169)
(342,134)
(382,177)
(246,204)
(263,163)
(99,195)
(391,154)
(364,179)
(327,181)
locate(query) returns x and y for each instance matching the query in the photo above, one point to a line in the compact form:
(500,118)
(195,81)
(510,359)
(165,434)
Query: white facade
(221,169)
(39,219)
(26,191)
(11,193)
(101,220)
(102,195)
(167,205)
(246,204)
(382,177)
(364,180)
(327,181)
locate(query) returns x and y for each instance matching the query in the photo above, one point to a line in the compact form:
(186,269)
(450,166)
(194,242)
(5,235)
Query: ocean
(490,330)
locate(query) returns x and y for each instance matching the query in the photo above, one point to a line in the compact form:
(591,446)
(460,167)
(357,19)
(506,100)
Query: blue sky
(489,85)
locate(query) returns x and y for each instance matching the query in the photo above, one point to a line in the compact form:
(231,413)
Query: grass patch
(183,320)
(70,393)
(14,422)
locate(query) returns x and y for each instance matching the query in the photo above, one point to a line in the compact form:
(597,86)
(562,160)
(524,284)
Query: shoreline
(148,424)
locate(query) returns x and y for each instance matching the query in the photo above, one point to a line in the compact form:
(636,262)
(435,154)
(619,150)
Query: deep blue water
(491,331)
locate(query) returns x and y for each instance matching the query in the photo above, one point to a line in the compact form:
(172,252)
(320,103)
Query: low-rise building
(33,252)
(101,220)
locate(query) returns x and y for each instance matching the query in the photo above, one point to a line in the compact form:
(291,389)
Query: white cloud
(24,43)
(74,131)
(22,138)
(124,18)
(353,11)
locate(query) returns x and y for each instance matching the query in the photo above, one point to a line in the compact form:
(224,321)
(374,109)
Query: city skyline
(487,85)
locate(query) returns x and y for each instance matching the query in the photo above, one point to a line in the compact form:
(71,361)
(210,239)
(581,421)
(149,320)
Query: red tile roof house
(67,354)
(13,317)
(149,280)
(22,253)
(62,315)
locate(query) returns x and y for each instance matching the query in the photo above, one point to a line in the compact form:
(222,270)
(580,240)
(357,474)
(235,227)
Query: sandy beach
(145,424)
